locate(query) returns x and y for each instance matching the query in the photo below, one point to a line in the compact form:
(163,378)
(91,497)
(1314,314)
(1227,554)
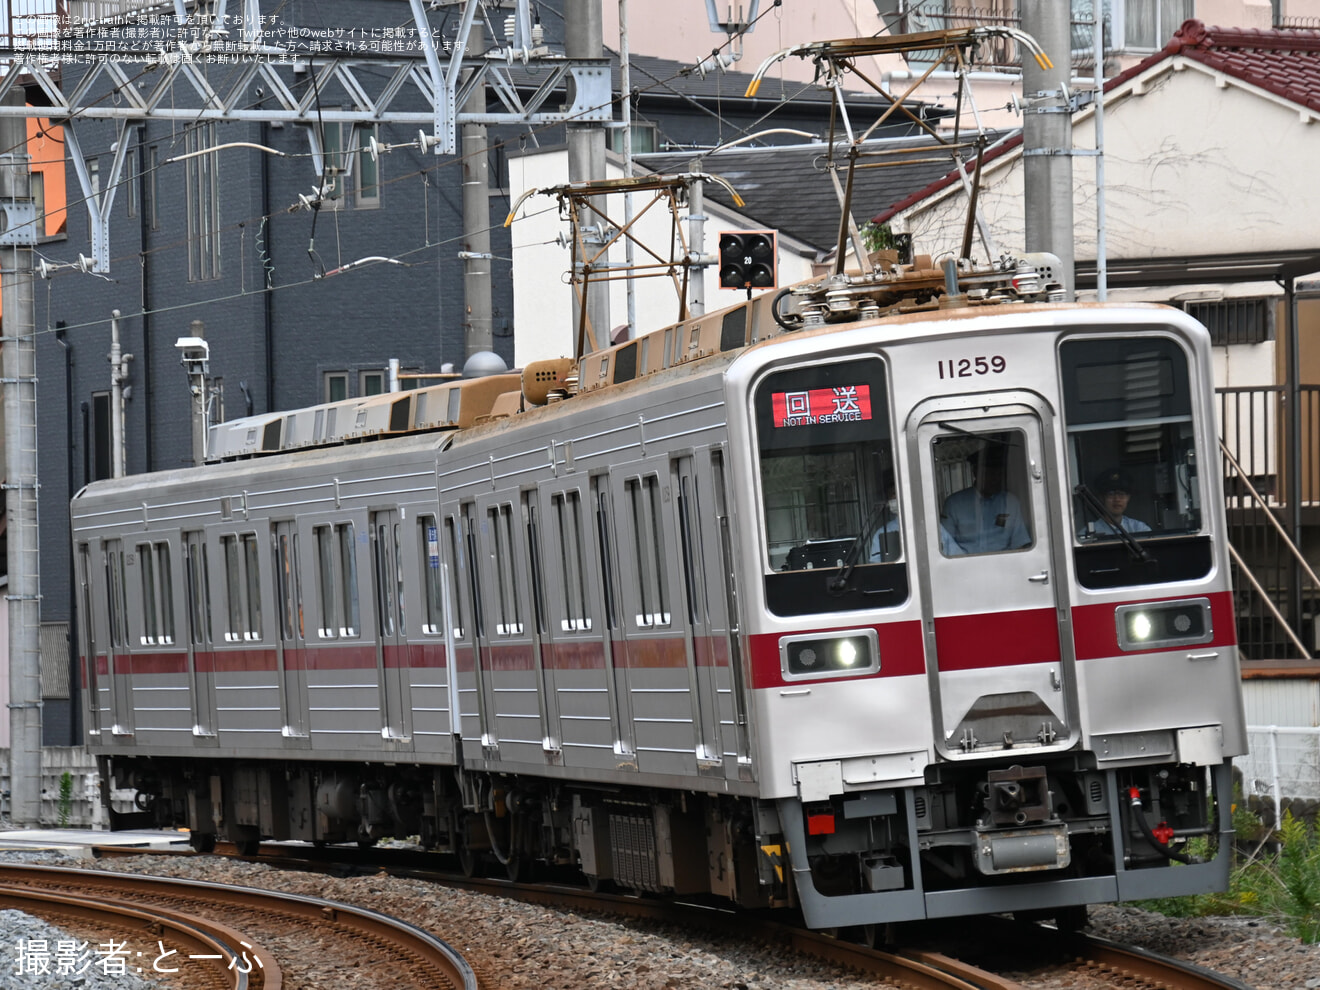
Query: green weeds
(1276,875)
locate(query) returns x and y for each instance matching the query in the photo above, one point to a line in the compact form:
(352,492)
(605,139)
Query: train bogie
(904,617)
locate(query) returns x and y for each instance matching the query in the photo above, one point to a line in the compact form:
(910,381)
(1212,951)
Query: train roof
(454,407)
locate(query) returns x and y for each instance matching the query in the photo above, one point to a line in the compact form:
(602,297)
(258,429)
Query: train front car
(989,618)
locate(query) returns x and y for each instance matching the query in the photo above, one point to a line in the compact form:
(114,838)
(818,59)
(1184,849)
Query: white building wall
(543,299)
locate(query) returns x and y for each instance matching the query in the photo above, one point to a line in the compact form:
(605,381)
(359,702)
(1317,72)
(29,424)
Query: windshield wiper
(1093,502)
(879,518)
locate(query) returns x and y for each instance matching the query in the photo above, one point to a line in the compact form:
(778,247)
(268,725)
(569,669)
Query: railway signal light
(748,259)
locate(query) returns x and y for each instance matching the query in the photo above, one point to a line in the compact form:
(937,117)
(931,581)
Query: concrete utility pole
(586,154)
(476,217)
(1047,136)
(19,360)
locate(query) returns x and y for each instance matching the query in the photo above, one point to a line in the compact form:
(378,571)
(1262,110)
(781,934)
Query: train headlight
(1180,623)
(854,651)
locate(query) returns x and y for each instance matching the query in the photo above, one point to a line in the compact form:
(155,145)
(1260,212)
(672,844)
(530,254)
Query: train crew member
(1115,489)
(884,545)
(984,517)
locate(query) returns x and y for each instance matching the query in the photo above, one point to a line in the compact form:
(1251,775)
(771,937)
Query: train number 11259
(970,367)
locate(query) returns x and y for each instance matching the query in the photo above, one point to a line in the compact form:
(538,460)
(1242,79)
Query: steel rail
(445,961)
(1102,954)
(214,944)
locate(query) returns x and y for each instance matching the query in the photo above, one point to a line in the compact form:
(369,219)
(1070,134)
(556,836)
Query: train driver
(984,517)
(1115,490)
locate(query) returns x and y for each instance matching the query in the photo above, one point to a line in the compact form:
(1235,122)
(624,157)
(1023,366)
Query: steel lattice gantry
(178,81)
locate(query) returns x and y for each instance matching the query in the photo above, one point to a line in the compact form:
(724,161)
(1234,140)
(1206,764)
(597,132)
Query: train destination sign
(840,404)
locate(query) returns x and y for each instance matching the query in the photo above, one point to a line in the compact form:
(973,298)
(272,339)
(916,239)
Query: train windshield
(827,474)
(1132,460)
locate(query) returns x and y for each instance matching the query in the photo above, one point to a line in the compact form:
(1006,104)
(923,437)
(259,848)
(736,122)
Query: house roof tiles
(1283,62)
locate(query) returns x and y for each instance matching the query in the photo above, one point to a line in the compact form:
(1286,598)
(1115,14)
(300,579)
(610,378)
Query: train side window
(147,572)
(242,587)
(534,560)
(509,620)
(114,583)
(1132,461)
(325,582)
(337,581)
(606,547)
(289,587)
(648,545)
(567,512)
(157,594)
(433,608)
(456,554)
(348,581)
(198,589)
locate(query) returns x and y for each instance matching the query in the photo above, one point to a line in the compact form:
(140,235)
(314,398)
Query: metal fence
(1281,770)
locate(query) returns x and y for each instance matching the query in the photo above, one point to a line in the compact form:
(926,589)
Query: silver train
(825,600)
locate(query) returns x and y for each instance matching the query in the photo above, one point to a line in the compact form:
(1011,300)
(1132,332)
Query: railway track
(1077,960)
(173,919)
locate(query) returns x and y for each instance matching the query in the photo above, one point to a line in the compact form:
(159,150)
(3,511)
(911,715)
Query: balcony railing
(1278,597)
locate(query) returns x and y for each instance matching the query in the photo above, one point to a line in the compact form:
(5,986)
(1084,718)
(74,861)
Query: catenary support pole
(20,487)
(586,156)
(1047,136)
(476,216)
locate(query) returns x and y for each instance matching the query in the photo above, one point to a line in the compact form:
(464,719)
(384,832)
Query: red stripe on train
(997,639)
(1095,629)
(901,654)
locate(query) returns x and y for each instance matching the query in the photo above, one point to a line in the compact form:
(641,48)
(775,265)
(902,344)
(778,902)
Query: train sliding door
(119,657)
(292,657)
(201,651)
(993,586)
(391,655)
(692,498)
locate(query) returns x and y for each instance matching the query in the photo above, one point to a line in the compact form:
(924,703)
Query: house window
(37,190)
(130,183)
(366,188)
(336,386)
(149,193)
(1235,321)
(371,382)
(352,175)
(1147,25)
(643,138)
(100,445)
(203,186)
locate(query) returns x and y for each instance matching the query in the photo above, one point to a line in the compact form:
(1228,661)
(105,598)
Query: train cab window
(157,594)
(337,581)
(828,489)
(242,588)
(1132,465)
(433,609)
(982,489)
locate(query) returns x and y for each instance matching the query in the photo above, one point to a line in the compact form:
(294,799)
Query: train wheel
(516,868)
(202,842)
(247,847)
(468,861)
